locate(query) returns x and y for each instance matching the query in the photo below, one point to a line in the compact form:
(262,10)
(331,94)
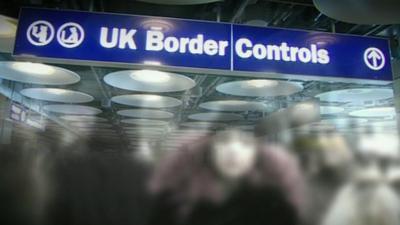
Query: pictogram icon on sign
(40,33)
(374,58)
(70,35)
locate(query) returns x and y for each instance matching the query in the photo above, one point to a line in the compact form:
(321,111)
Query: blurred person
(228,178)
(327,155)
(368,198)
(365,200)
(96,187)
(393,176)
(326,160)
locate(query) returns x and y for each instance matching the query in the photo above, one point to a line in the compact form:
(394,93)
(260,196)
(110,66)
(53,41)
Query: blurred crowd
(232,177)
(221,178)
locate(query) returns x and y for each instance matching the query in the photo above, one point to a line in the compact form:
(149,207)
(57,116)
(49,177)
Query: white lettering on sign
(120,37)
(156,41)
(126,38)
(244,48)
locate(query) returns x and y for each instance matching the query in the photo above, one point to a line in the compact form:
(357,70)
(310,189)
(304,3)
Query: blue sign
(312,53)
(127,39)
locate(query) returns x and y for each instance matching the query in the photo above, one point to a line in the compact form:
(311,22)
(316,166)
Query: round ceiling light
(215,117)
(145,122)
(37,73)
(357,95)
(330,110)
(319,127)
(260,88)
(90,125)
(378,112)
(84,118)
(8,29)
(149,81)
(257,23)
(185,137)
(157,24)
(57,95)
(233,106)
(202,125)
(345,122)
(72,109)
(8,26)
(147,101)
(145,114)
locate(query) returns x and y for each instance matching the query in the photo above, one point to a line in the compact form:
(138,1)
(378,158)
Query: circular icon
(70,35)
(40,33)
(374,58)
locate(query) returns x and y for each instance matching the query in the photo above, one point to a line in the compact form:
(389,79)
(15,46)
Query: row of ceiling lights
(157,81)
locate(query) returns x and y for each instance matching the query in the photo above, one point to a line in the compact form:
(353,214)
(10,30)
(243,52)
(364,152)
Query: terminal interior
(79,142)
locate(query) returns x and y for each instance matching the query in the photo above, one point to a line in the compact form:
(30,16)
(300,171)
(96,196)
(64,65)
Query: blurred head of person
(325,156)
(233,154)
(225,169)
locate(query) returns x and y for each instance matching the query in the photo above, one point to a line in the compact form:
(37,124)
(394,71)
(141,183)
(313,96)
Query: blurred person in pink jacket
(229,178)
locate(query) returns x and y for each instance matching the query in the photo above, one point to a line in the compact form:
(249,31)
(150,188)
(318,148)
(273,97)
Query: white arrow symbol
(375,56)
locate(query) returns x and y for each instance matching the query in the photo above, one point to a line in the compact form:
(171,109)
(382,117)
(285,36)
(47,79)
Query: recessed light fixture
(149,81)
(150,76)
(259,88)
(89,124)
(145,114)
(356,95)
(148,62)
(262,83)
(215,116)
(147,101)
(57,95)
(8,26)
(144,122)
(330,110)
(72,109)
(388,112)
(83,118)
(33,68)
(37,73)
(8,29)
(233,106)
(203,125)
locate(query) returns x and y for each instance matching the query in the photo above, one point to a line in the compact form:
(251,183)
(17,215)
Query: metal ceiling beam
(285,14)
(238,13)
(354,28)
(376,29)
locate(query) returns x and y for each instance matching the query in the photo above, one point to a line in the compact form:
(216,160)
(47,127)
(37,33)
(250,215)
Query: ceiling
(300,14)
(276,13)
